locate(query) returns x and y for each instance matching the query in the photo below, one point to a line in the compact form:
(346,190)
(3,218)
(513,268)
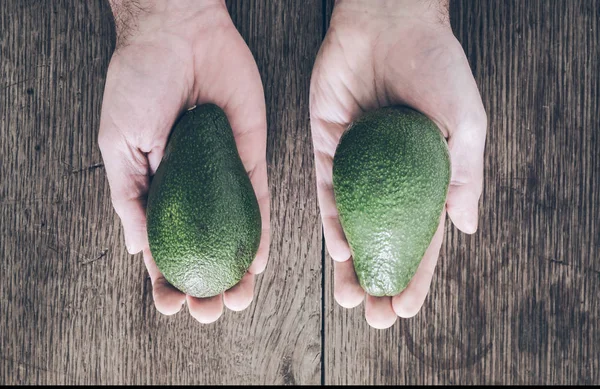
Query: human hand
(171,55)
(381,53)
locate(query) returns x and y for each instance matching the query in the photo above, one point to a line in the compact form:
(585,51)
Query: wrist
(147,16)
(158,6)
(422,9)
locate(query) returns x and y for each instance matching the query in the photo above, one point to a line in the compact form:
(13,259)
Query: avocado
(203,220)
(391,174)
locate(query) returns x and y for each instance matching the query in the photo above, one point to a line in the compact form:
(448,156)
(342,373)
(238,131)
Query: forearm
(132,16)
(133,7)
(426,8)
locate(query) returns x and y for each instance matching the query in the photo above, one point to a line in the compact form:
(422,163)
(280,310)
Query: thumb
(128,176)
(466,144)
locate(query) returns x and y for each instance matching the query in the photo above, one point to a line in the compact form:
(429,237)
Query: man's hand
(387,52)
(170,56)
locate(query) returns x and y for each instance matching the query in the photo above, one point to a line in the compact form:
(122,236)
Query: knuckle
(473,126)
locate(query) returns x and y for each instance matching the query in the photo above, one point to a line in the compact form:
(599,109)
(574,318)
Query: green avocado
(203,219)
(391,174)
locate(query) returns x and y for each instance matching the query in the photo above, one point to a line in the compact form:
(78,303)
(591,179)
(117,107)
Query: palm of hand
(151,80)
(382,63)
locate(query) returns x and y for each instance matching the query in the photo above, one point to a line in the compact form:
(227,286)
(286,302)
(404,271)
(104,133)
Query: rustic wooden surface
(75,307)
(519,302)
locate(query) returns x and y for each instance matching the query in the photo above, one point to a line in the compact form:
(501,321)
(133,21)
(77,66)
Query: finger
(409,302)
(379,312)
(134,127)
(246,112)
(326,135)
(127,172)
(335,239)
(346,289)
(205,310)
(258,177)
(168,300)
(466,144)
(154,159)
(240,296)
(463,120)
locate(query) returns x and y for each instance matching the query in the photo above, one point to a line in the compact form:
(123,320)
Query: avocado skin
(391,174)
(203,219)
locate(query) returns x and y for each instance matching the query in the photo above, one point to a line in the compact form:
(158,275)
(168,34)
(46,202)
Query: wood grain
(518,302)
(75,307)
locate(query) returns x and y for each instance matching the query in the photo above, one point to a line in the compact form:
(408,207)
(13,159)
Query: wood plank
(75,307)
(518,302)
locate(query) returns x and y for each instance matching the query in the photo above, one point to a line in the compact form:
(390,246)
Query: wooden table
(517,303)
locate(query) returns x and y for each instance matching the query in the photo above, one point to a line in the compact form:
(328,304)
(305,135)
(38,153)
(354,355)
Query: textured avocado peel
(391,174)
(203,219)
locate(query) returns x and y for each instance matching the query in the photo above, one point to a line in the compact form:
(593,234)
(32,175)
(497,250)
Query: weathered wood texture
(75,307)
(518,302)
